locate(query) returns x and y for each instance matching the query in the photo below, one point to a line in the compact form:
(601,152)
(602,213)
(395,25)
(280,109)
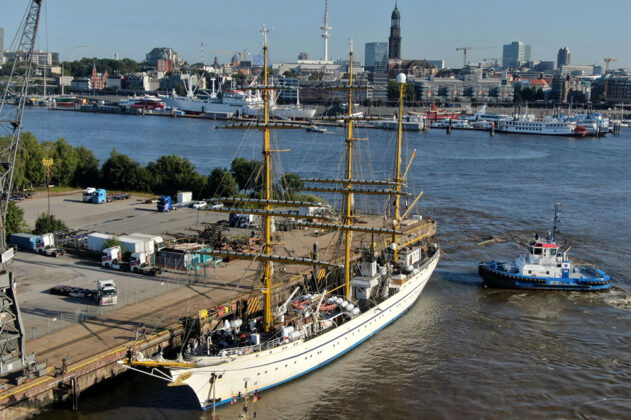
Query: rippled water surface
(462,351)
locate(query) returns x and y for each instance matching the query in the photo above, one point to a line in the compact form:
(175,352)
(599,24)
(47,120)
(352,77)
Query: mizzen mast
(401,79)
(349,186)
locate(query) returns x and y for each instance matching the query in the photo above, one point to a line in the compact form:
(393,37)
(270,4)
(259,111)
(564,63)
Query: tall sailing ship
(333,311)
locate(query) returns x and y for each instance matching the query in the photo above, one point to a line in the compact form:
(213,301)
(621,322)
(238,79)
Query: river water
(462,351)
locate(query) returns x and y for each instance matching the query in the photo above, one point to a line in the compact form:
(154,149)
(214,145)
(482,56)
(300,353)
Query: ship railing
(240,351)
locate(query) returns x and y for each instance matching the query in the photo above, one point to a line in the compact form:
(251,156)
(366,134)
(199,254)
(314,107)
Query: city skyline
(429,30)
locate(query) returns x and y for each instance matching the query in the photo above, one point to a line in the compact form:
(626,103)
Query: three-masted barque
(311,328)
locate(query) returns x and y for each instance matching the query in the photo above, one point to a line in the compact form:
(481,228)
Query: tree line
(78,167)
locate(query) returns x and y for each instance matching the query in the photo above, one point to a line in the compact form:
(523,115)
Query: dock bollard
(449,127)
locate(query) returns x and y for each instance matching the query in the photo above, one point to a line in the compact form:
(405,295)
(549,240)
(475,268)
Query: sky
(431,29)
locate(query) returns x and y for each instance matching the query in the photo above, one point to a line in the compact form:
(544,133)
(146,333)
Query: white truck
(107,293)
(112,257)
(140,262)
(45,245)
(158,241)
(87,194)
(135,244)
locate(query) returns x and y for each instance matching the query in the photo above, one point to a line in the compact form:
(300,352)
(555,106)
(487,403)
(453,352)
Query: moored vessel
(528,124)
(148,102)
(343,304)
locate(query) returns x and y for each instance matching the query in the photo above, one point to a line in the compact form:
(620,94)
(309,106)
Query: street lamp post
(48,162)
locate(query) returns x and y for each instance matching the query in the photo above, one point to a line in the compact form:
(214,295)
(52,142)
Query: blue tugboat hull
(496,277)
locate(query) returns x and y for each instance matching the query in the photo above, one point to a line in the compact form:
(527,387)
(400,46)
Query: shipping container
(96,241)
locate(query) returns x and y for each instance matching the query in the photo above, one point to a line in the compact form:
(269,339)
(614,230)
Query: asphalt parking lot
(36,274)
(119,217)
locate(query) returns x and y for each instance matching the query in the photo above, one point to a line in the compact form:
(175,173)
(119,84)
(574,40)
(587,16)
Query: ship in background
(233,103)
(148,102)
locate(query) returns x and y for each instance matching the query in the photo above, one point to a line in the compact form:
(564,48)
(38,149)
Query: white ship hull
(268,368)
(198,106)
(548,128)
(292,113)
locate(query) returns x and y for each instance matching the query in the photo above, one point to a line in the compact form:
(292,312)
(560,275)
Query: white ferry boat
(546,126)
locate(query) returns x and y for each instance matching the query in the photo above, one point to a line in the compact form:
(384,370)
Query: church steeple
(394,47)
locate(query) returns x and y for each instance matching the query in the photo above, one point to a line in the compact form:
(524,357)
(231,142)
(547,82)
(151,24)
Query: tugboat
(543,267)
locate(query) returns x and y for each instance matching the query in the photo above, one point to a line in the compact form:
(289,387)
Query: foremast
(267,202)
(267,219)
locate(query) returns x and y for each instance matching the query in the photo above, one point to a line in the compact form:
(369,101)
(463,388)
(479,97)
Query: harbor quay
(81,343)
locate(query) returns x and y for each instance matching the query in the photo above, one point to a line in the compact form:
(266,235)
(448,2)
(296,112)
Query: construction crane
(12,339)
(607,60)
(465,49)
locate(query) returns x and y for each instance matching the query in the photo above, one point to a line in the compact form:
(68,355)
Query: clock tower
(394,47)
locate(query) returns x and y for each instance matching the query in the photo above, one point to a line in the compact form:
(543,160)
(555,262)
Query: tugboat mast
(557,210)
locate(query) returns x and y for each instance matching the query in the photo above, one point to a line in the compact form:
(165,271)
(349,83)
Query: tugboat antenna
(557,209)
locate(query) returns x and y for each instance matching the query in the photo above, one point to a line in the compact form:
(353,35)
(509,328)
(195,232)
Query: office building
(376,57)
(563,57)
(515,54)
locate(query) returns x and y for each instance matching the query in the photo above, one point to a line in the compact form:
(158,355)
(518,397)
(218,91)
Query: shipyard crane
(12,339)
(607,60)
(465,49)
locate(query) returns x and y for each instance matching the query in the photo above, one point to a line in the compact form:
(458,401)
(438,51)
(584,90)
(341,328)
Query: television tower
(325,30)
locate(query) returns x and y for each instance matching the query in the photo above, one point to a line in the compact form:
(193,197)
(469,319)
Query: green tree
(172,173)
(290,73)
(87,171)
(15,219)
(247,173)
(48,223)
(114,241)
(65,162)
(29,170)
(221,183)
(291,182)
(119,172)
(409,93)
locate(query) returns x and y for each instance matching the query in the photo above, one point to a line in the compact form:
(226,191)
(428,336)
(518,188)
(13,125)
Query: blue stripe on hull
(497,278)
(326,361)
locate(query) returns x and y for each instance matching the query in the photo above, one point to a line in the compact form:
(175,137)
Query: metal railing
(51,321)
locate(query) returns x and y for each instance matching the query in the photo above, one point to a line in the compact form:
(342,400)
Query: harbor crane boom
(465,49)
(12,339)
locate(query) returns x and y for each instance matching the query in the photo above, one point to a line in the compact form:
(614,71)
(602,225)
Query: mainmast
(401,79)
(267,219)
(349,177)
